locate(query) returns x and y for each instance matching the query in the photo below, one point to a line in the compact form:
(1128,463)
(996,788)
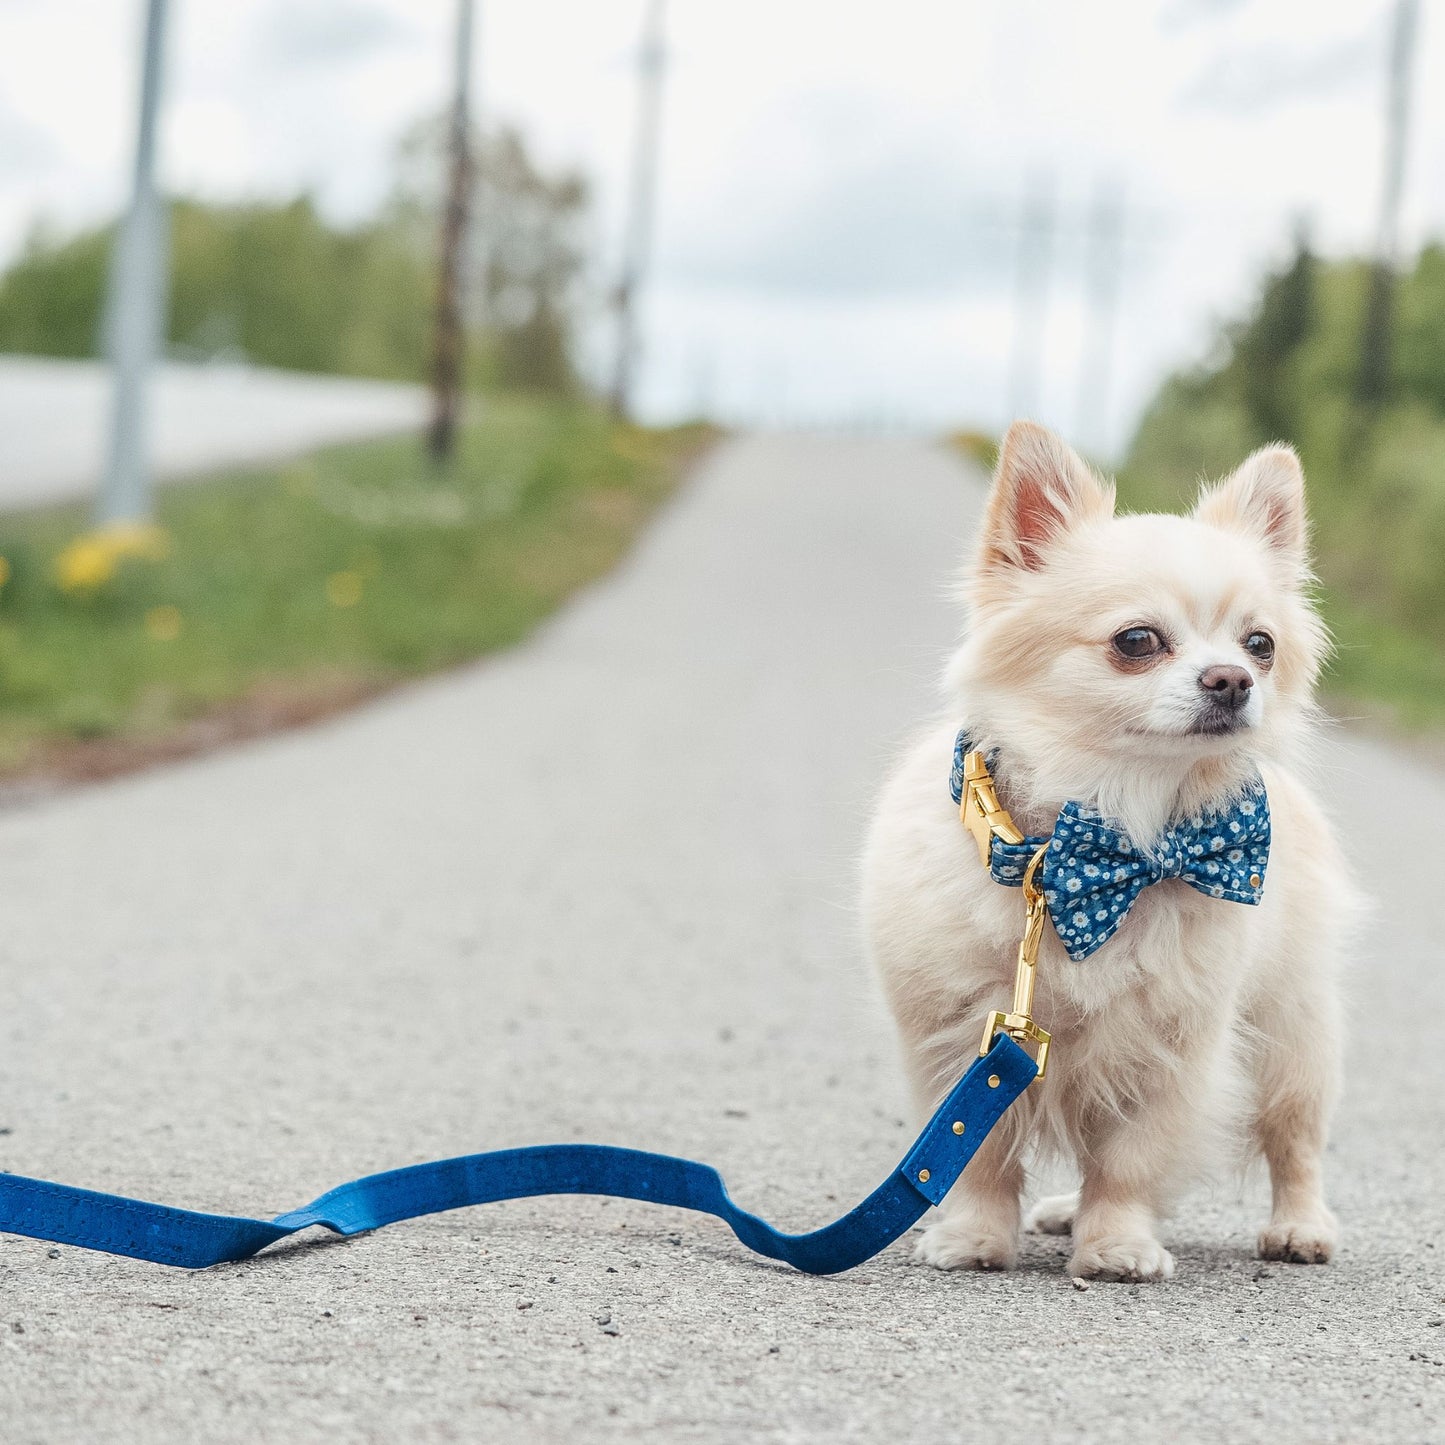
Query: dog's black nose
(1228,686)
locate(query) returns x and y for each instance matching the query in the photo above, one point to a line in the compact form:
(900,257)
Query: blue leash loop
(113,1224)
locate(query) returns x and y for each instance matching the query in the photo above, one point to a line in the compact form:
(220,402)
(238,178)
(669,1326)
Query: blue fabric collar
(1092,872)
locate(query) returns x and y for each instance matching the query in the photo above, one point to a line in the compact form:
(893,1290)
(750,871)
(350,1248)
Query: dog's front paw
(1124,1257)
(1310,1241)
(967,1244)
(1054,1214)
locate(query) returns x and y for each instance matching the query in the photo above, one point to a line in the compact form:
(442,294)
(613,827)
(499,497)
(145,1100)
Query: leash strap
(113,1224)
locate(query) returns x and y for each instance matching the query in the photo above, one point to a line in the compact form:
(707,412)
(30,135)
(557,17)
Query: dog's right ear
(1041,488)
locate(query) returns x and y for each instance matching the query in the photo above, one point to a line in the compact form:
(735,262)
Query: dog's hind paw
(1053,1214)
(1304,1242)
(1123,1257)
(966,1244)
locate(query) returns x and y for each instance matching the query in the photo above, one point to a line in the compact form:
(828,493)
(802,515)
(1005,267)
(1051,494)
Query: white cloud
(1266,77)
(317,34)
(840,181)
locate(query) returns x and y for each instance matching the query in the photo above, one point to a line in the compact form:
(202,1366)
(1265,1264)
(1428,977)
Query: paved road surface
(55,416)
(601,888)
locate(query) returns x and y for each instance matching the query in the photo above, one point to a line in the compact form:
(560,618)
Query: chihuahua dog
(1151,669)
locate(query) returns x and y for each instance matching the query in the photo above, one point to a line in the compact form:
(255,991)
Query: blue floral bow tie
(1092,873)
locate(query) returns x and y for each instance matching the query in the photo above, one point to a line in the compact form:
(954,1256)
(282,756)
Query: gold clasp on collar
(986,818)
(982,813)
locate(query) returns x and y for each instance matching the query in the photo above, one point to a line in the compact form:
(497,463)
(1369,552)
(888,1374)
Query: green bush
(1288,372)
(278,284)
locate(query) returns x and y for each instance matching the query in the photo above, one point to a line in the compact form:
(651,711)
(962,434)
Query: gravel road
(602,888)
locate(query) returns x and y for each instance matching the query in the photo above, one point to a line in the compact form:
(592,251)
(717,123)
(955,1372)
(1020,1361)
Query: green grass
(343,572)
(1386,668)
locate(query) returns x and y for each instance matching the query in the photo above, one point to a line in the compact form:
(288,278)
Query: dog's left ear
(1266,498)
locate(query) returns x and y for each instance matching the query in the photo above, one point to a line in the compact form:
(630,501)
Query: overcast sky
(841,183)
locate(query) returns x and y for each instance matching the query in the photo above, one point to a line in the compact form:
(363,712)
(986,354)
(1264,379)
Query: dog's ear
(1264,498)
(1041,488)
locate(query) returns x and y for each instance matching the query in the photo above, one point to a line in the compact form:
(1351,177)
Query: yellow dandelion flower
(90,561)
(343,589)
(84,566)
(163,624)
(4,570)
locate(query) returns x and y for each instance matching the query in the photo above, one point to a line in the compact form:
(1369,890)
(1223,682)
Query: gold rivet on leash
(923,1176)
(994,1081)
(958,1126)
(1255,880)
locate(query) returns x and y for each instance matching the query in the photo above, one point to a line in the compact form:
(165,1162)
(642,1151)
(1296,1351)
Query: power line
(136,309)
(1103,273)
(650,65)
(1033,265)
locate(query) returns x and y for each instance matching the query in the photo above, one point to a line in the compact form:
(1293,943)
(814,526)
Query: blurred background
(433,302)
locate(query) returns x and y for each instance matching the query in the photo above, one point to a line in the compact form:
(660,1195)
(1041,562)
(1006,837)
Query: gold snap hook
(982,813)
(1019,1023)
(986,819)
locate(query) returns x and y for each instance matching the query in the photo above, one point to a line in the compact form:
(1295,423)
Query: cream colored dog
(1147,666)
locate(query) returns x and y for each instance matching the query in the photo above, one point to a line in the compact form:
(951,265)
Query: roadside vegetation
(274,595)
(277,284)
(1367,415)
(262,597)
(1370,428)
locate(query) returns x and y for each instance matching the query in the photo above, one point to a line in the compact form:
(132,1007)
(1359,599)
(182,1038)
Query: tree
(51,299)
(525,247)
(274,282)
(1266,349)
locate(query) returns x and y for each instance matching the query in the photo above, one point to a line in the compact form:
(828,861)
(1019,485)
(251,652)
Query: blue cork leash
(113,1224)
(188,1239)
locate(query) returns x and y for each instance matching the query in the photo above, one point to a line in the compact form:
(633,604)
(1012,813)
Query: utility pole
(1103,265)
(1032,267)
(1372,381)
(650,64)
(447,335)
(136,307)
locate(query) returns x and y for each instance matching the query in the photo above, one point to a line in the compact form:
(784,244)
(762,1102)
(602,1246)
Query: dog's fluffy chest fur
(1175,966)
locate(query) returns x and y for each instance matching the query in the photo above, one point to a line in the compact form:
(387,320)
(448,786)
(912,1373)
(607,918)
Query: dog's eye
(1260,646)
(1138,642)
